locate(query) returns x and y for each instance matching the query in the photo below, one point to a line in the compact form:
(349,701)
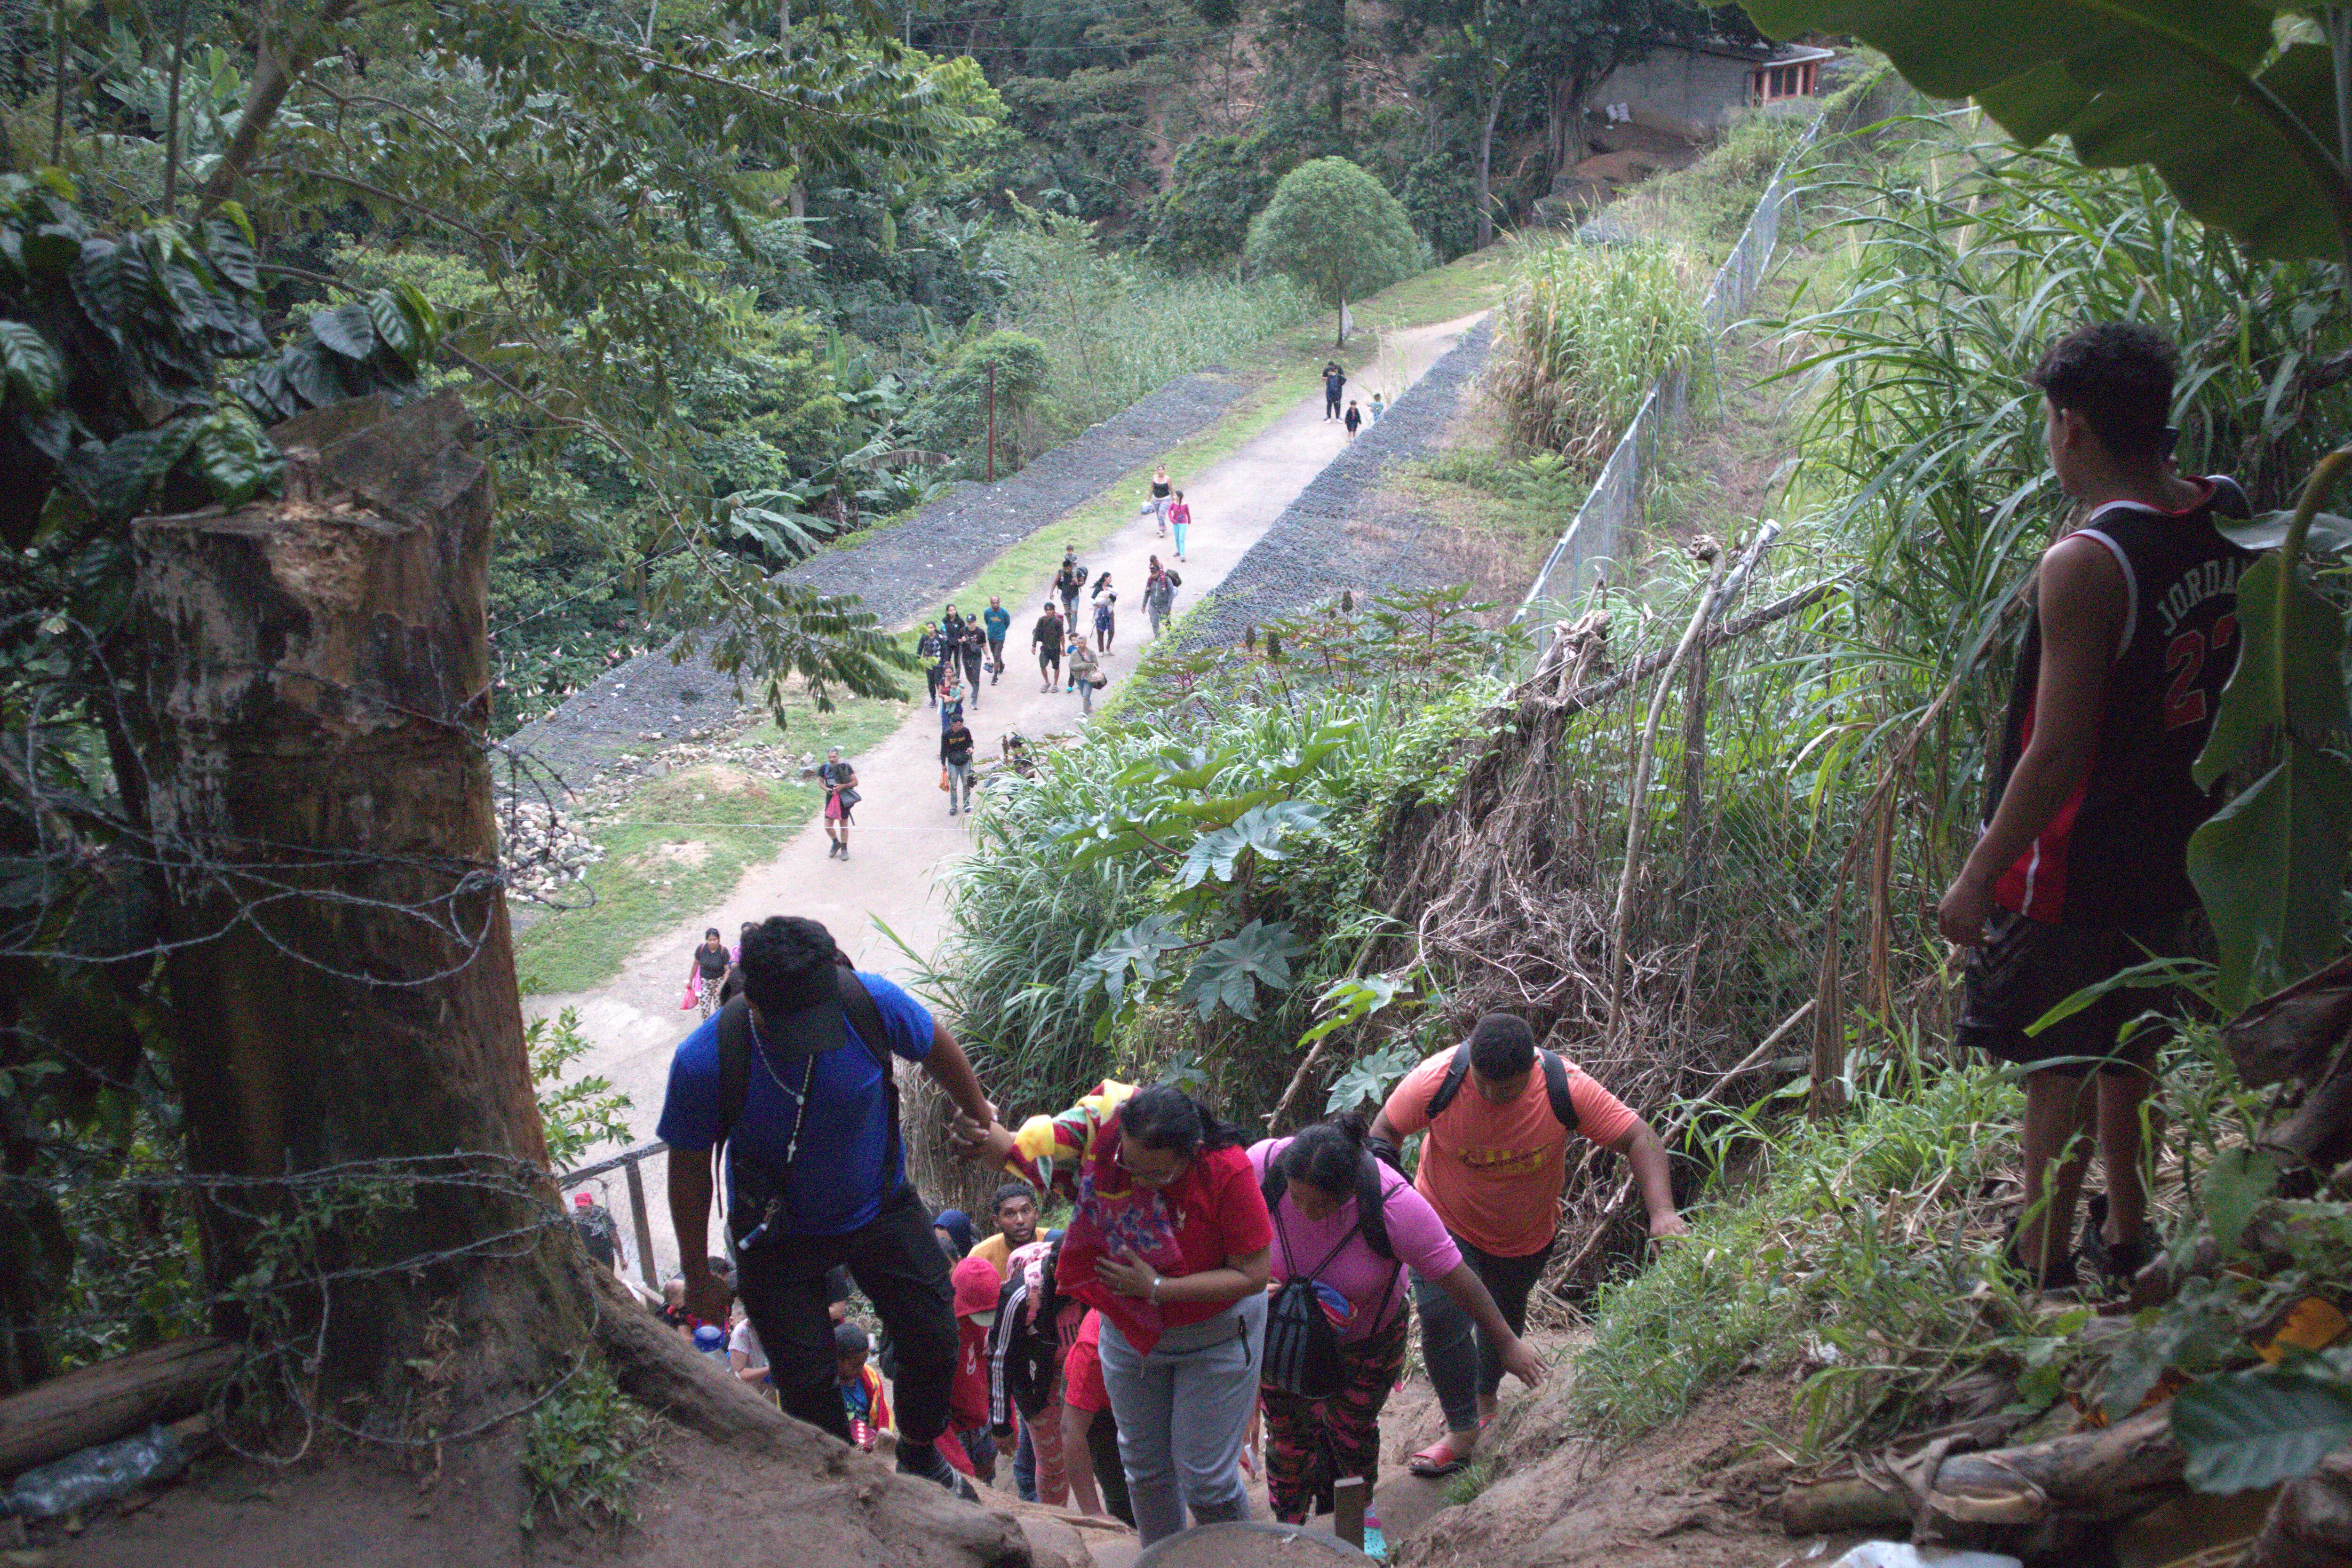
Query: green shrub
(580,1453)
(1115,329)
(1584,335)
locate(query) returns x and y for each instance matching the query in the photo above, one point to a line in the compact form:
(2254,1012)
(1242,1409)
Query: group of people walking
(1335,383)
(1224,1276)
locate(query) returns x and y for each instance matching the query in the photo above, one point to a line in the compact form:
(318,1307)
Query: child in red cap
(976,1286)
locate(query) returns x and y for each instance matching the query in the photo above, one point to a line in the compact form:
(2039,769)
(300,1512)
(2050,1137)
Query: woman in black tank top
(711,962)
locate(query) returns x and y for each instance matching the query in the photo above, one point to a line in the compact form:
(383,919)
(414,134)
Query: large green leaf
(2258,1428)
(2269,867)
(347,329)
(29,368)
(235,460)
(2178,84)
(1231,968)
(2292,677)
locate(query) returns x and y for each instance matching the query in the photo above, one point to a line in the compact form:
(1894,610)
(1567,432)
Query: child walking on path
(840,781)
(1180,518)
(1355,418)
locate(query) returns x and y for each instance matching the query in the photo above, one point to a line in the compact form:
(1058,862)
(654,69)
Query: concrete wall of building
(1684,91)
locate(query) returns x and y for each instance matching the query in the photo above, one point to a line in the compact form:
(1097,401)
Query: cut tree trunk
(2110,1473)
(317,698)
(343,985)
(112,1399)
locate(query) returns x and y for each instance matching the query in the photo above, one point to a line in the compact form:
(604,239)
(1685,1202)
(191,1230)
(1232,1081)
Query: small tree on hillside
(1337,231)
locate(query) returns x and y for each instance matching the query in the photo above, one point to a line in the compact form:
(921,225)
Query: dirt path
(904,838)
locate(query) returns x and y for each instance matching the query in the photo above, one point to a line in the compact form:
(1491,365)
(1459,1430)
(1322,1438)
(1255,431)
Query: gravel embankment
(899,570)
(1335,535)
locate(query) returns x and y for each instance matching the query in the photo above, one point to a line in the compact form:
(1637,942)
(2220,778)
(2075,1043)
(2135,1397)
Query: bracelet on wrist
(1155,1290)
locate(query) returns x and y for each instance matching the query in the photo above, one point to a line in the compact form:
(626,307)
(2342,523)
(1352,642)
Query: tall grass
(1585,333)
(1117,328)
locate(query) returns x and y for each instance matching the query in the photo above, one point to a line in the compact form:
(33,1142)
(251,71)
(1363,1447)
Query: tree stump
(317,701)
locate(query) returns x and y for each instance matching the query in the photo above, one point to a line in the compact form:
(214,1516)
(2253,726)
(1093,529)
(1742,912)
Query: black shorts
(2026,967)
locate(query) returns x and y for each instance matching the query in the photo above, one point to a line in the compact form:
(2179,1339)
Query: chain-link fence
(1614,507)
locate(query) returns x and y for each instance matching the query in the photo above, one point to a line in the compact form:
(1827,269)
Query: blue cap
(710,1337)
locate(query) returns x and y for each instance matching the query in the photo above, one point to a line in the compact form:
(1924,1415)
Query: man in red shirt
(1497,1115)
(2082,871)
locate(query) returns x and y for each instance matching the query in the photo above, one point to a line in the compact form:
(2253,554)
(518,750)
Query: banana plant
(2269,866)
(2233,101)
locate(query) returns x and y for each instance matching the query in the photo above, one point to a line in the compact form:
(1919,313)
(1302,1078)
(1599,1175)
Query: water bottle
(711,1340)
(1376,1545)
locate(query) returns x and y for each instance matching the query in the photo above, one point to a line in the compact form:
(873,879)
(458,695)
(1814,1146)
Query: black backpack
(1302,1348)
(735,1088)
(1555,1071)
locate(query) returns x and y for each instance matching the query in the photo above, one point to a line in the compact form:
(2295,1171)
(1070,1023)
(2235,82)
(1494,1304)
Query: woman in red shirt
(1169,1241)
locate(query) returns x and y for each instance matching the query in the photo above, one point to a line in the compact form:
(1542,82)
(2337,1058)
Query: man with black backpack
(1492,1165)
(794,1081)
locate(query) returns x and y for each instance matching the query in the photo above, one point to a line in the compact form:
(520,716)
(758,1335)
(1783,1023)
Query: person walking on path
(970,642)
(2082,870)
(1334,381)
(928,648)
(1160,595)
(1168,1239)
(1351,1227)
(1379,408)
(955,756)
(1180,521)
(1161,491)
(840,783)
(794,1080)
(1498,1115)
(1106,599)
(950,701)
(1355,419)
(1046,642)
(1086,671)
(708,972)
(1066,583)
(997,621)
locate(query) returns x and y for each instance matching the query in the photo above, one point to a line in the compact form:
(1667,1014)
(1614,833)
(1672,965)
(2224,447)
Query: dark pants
(1111,1474)
(1331,405)
(1458,1371)
(1311,1443)
(995,660)
(931,679)
(971,668)
(902,1271)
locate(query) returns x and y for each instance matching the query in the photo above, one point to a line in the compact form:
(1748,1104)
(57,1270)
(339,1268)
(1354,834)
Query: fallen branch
(111,1399)
(2109,1473)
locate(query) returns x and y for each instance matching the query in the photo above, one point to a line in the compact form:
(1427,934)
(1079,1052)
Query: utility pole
(991,421)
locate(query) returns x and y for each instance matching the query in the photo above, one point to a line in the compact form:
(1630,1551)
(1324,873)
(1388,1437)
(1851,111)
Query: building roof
(1759,55)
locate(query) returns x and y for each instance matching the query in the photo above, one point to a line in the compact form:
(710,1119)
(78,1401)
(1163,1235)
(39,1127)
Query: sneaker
(937,1469)
(2113,1266)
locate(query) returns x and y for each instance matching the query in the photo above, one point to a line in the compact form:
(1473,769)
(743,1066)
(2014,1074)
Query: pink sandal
(1438,1459)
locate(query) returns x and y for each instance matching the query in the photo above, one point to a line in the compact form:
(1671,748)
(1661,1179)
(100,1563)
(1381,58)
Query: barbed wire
(230,881)
(506,1175)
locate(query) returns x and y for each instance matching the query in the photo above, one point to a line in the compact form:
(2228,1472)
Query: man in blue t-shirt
(817,1177)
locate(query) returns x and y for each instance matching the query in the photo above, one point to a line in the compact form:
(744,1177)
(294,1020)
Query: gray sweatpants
(1182,1413)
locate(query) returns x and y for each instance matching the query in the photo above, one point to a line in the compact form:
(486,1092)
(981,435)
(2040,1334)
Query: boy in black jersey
(2082,871)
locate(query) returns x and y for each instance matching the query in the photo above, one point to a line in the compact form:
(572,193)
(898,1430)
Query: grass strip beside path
(679,844)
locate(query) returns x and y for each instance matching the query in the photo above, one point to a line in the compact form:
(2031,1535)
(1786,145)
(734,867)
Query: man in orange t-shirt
(1492,1165)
